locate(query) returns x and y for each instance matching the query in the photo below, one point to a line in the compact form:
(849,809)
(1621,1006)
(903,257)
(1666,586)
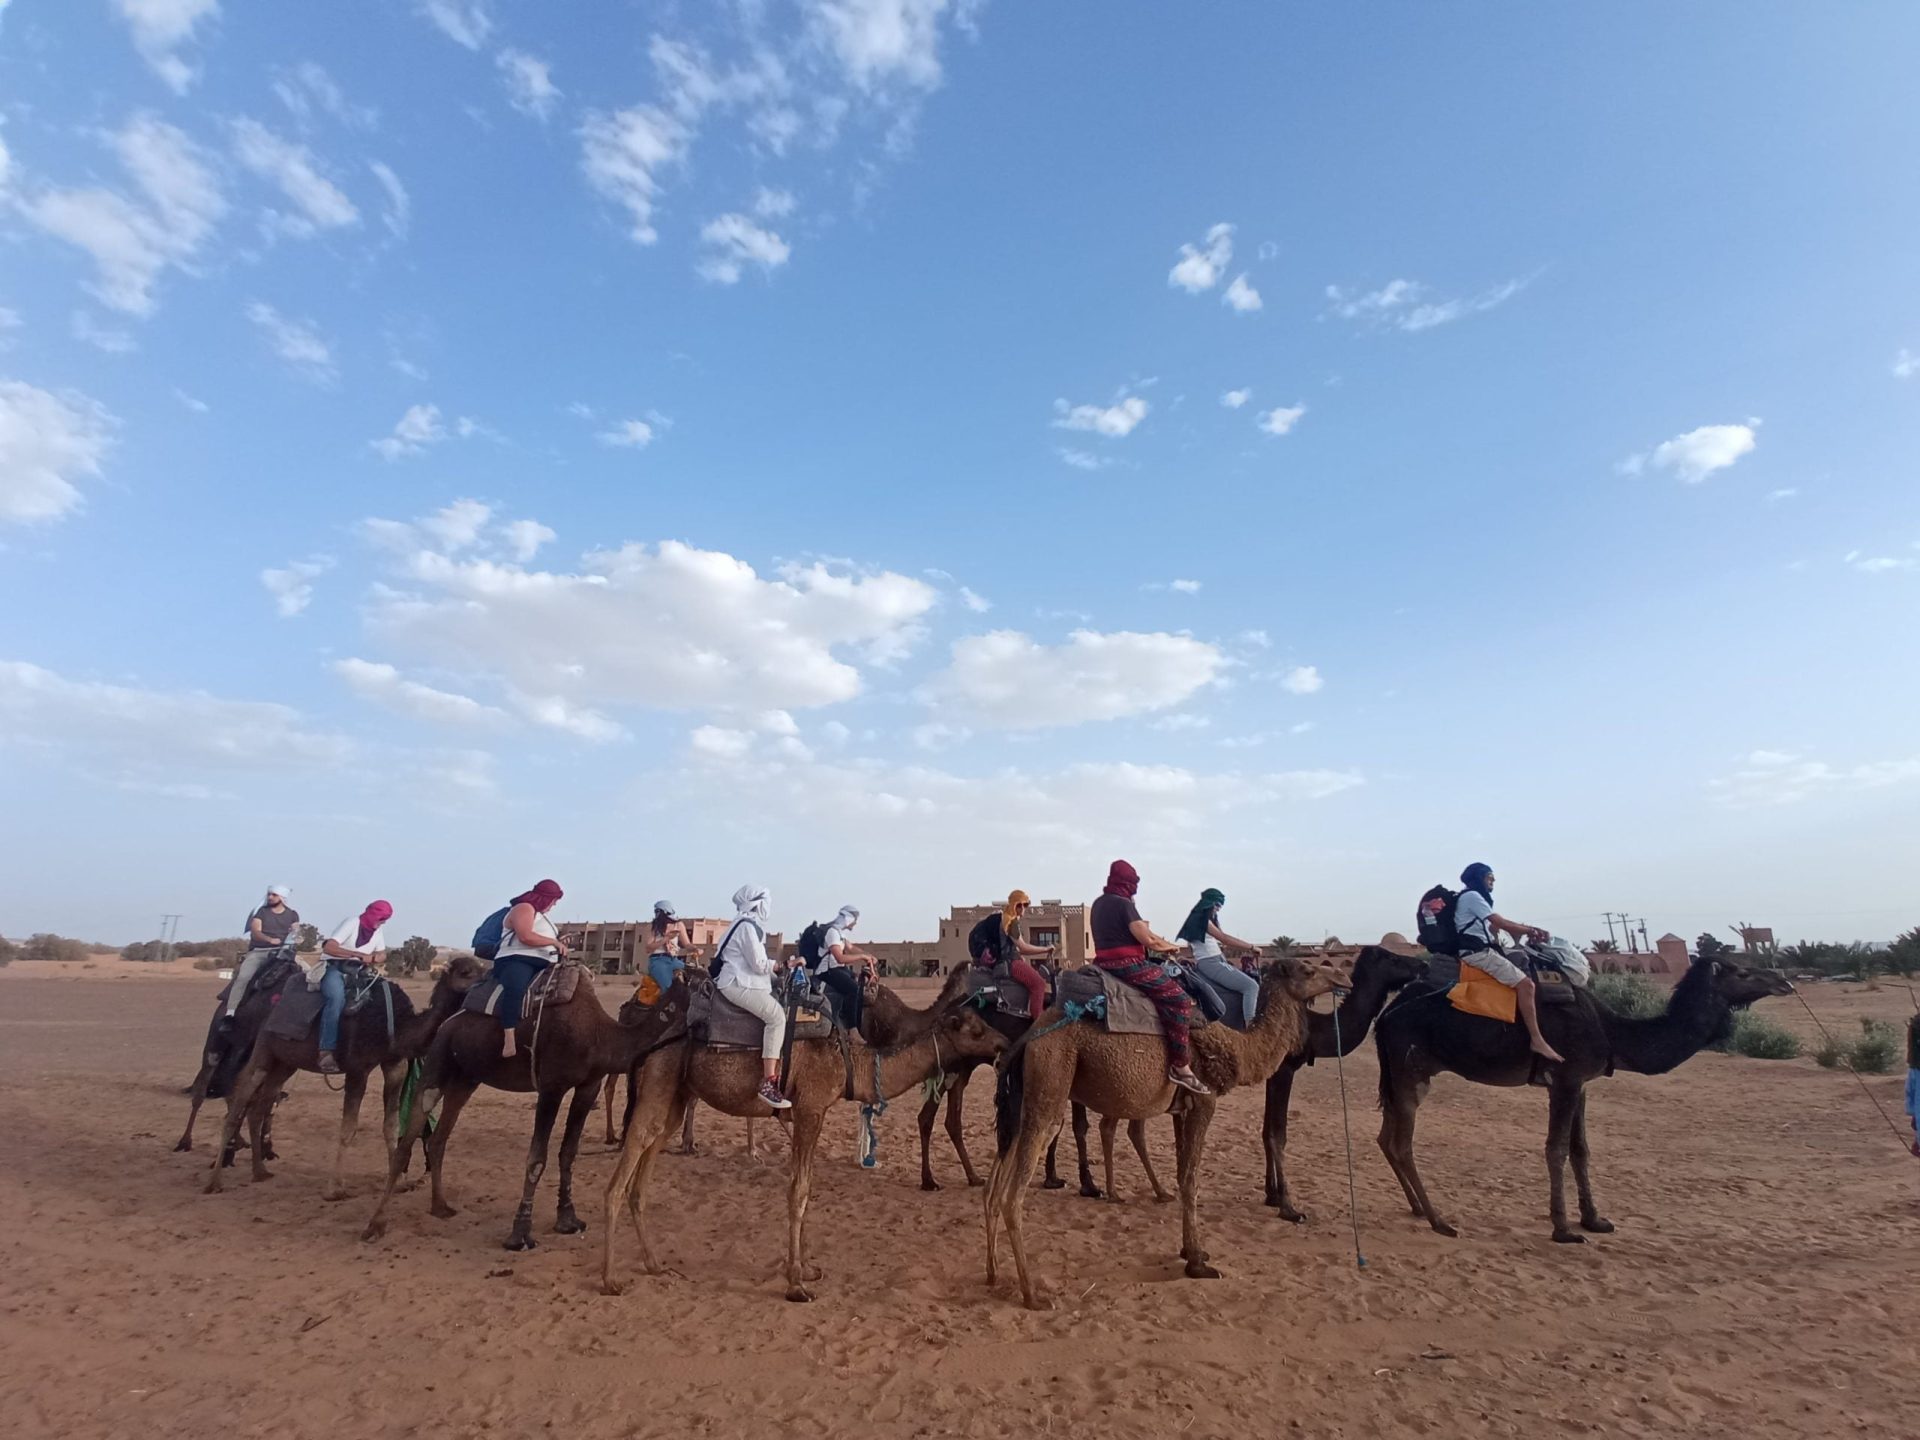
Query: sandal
(1188,1082)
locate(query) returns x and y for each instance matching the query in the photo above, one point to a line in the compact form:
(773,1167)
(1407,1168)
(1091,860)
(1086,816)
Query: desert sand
(1762,1281)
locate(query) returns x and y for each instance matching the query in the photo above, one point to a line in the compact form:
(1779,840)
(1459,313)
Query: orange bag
(1478,993)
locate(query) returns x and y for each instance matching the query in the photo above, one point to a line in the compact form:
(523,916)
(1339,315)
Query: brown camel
(816,1080)
(1378,972)
(1126,1076)
(365,1046)
(1422,1034)
(223,1056)
(559,1050)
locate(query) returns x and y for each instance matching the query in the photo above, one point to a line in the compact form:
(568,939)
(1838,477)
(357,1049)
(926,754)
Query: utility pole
(1645,943)
(169,935)
(1607,915)
(1626,928)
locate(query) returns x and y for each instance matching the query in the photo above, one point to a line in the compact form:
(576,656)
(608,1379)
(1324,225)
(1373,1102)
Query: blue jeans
(1234,984)
(515,973)
(333,1000)
(663,968)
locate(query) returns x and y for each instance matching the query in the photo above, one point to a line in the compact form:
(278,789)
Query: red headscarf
(1122,879)
(372,918)
(541,897)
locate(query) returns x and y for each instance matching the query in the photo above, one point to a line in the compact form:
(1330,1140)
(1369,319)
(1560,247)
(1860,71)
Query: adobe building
(1048,922)
(619,947)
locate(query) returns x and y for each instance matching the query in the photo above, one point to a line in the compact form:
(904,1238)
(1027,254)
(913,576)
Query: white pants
(762,1004)
(243,976)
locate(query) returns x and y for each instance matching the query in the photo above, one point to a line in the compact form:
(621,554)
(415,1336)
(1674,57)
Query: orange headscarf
(1010,916)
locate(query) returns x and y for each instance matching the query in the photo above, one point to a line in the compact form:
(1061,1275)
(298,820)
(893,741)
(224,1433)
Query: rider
(837,957)
(1202,931)
(743,973)
(361,940)
(526,935)
(997,938)
(1474,922)
(670,936)
(1121,940)
(267,931)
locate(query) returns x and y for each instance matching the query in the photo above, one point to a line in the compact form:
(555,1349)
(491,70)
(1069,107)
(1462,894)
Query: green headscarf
(1201,916)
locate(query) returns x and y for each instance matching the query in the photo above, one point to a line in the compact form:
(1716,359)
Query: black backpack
(808,947)
(1436,922)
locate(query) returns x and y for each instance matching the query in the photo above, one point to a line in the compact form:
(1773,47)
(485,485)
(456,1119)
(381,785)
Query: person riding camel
(268,929)
(526,937)
(360,940)
(743,974)
(1203,933)
(1121,945)
(1475,922)
(996,939)
(668,938)
(835,966)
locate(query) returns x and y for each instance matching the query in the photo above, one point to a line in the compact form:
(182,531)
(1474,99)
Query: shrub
(209,962)
(1830,1053)
(47,946)
(144,951)
(1633,997)
(414,956)
(1873,1053)
(9,951)
(1759,1038)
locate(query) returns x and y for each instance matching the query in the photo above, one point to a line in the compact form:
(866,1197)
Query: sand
(1761,1283)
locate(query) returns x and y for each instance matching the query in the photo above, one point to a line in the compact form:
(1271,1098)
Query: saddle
(1127,1011)
(995,989)
(298,1009)
(1472,990)
(268,977)
(717,1024)
(555,985)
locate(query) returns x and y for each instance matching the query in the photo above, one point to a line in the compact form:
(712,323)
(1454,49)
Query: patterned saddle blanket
(998,990)
(1127,1010)
(716,1023)
(297,1011)
(555,985)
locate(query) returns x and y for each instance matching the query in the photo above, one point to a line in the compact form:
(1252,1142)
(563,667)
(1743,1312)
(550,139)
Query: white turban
(284,892)
(750,902)
(846,918)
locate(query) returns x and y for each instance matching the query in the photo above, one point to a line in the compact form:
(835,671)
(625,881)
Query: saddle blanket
(718,1024)
(298,1009)
(1006,994)
(1129,1012)
(557,983)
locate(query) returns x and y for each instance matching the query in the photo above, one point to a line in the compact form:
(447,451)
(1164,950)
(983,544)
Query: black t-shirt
(1111,918)
(987,941)
(274,929)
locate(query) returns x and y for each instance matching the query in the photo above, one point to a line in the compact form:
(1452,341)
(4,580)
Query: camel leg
(1108,1125)
(1273,1139)
(611,1090)
(393,1079)
(260,1116)
(1087,1187)
(239,1104)
(1193,1128)
(398,1158)
(1590,1217)
(687,1146)
(1026,1152)
(1396,1139)
(354,1092)
(1137,1133)
(565,1222)
(1562,1101)
(643,1188)
(806,1135)
(545,1110)
(929,1112)
(650,1114)
(450,1109)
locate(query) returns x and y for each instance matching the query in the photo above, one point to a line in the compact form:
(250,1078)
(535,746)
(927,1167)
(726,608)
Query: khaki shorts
(1496,965)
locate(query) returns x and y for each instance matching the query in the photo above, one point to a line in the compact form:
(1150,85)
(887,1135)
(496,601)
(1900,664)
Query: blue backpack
(492,933)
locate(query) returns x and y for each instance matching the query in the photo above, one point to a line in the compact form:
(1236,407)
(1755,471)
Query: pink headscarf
(1122,879)
(372,918)
(541,897)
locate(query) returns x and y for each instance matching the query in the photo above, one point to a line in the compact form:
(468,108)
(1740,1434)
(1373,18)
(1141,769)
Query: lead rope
(1840,1050)
(1346,1126)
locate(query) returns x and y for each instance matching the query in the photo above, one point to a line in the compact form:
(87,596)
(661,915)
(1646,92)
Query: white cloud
(773,204)
(292,586)
(1300,727)
(1178,587)
(936,735)
(1402,304)
(1879,564)
(977,603)
(1234,399)
(525,537)
(48,443)
(1281,419)
(622,155)
(1256,638)
(1009,681)
(1774,497)
(457,526)
(193,403)
(1184,720)
(101,337)
(880,42)
(1302,680)
(398,216)
(721,743)
(1776,777)
(307,88)
(412,433)
(131,241)
(734,241)
(666,627)
(628,435)
(318,204)
(1906,364)
(158,735)
(465,22)
(556,712)
(529,81)
(9,317)
(1115,420)
(160,28)
(1200,267)
(294,341)
(1082,459)
(1697,454)
(1241,296)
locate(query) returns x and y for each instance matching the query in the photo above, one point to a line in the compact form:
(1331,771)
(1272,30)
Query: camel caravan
(1153,1027)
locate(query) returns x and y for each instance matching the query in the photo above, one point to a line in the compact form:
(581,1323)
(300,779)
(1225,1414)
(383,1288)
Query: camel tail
(1009,1097)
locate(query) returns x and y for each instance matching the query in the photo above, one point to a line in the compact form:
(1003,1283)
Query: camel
(1126,1076)
(1422,1035)
(223,1057)
(815,1080)
(1377,972)
(560,1050)
(364,1047)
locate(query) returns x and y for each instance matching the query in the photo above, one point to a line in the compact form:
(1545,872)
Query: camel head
(460,974)
(1306,980)
(1741,985)
(1393,968)
(961,1031)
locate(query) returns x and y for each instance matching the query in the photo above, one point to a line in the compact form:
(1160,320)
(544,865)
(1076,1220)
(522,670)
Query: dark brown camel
(559,1050)
(1422,1034)
(1377,973)
(816,1078)
(222,1057)
(365,1047)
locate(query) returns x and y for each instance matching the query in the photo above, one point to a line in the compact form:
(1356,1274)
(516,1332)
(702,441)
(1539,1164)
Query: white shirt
(1470,914)
(834,936)
(741,961)
(510,942)
(348,933)
(1206,948)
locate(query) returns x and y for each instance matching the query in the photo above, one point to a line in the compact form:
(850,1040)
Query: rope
(1094,1007)
(1865,1089)
(1346,1127)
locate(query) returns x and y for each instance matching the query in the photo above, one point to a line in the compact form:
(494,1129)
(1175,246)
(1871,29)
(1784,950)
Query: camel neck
(1356,1012)
(1659,1043)
(1257,1052)
(897,1070)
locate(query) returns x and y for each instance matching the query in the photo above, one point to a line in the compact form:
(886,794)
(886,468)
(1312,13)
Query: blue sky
(444,444)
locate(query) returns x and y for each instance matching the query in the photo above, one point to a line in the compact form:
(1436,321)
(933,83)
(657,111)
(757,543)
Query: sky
(894,451)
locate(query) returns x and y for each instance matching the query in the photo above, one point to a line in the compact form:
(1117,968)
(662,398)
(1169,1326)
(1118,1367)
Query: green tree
(309,940)
(1710,946)
(1604,947)
(144,951)
(416,955)
(1282,944)
(9,952)
(48,946)
(1903,956)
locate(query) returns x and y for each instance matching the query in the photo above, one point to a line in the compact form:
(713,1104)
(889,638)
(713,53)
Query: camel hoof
(260,1172)
(974,1182)
(1596,1226)
(1568,1237)
(1441,1227)
(1090,1191)
(375,1229)
(267,1152)
(927,1182)
(1200,1270)
(613,1287)
(1053,1182)
(1038,1302)
(1115,1199)
(182,1146)
(332,1196)
(441,1212)
(569,1225)
(213,1186)
(521,1242)
(798,1294)
(1164,1199)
